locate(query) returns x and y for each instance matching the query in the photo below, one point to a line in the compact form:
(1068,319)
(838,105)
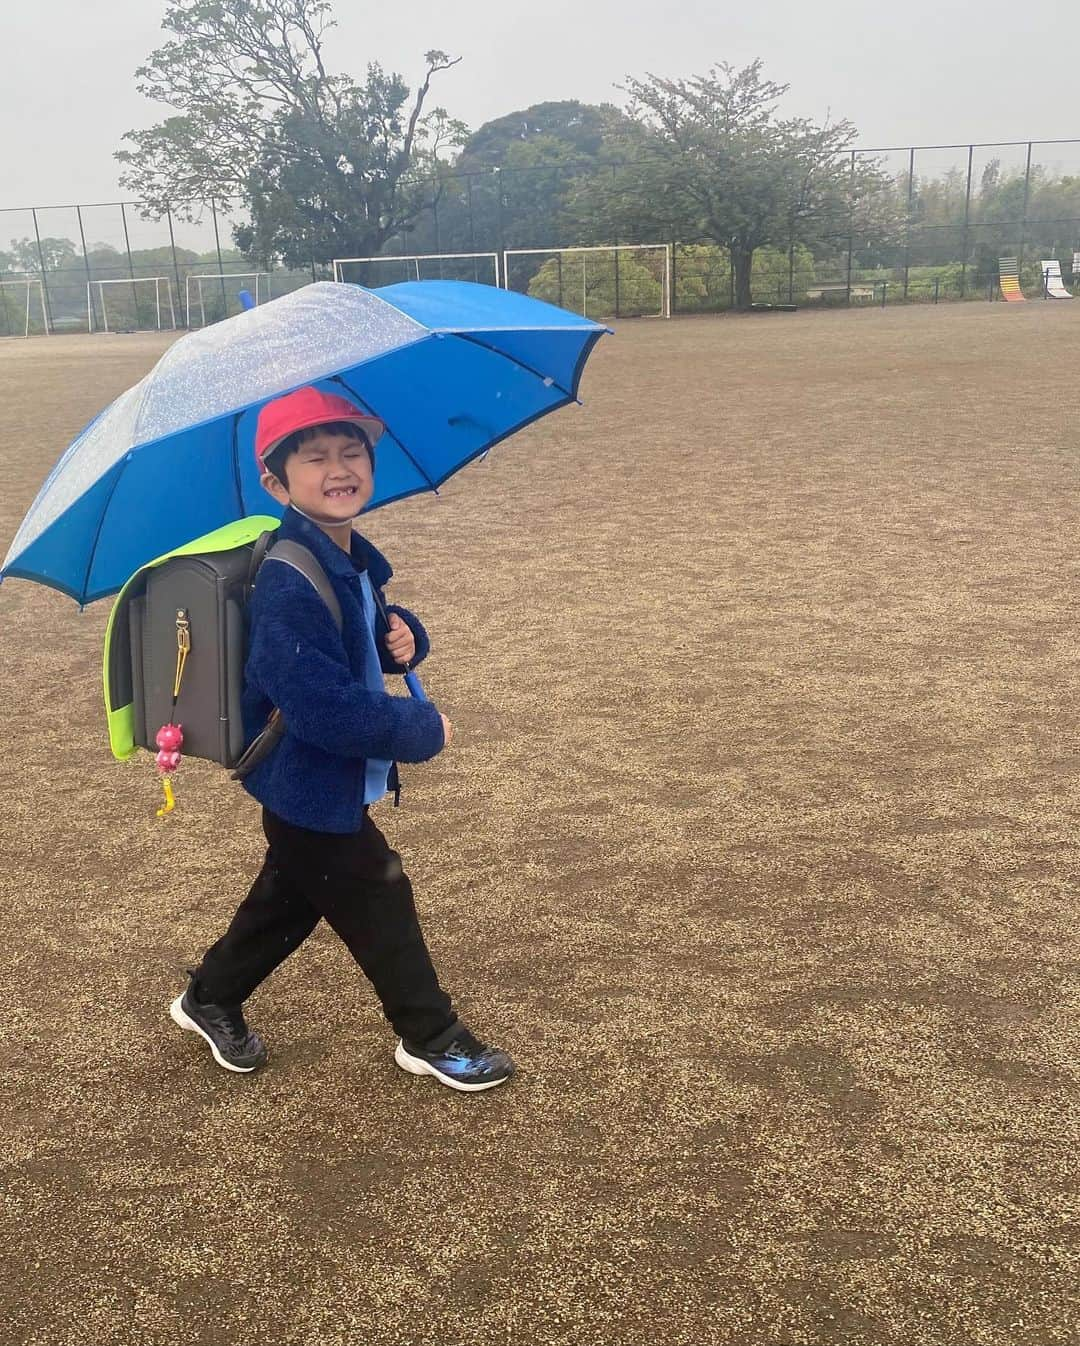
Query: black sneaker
(465,1063)
(234,1045)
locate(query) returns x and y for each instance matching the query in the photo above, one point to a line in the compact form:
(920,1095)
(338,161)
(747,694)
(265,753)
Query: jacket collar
(363,555)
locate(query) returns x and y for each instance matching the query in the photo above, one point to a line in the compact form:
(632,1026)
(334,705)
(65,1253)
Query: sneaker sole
(414,1065)
(176,1013)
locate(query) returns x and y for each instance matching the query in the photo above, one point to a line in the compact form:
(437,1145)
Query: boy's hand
(400,640)
(448,730)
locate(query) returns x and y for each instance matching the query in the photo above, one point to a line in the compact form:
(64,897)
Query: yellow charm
(170,798)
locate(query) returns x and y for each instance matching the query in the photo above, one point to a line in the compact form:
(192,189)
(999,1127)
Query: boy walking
(343,736)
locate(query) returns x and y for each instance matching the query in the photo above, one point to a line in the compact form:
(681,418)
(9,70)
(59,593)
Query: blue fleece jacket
(298,661)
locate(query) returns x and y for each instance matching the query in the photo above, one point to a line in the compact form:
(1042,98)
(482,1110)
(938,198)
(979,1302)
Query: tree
(323,165)
(57,252)
(709,159)
(579,127)
(509,186)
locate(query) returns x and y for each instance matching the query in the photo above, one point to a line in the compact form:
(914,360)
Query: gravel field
(757,845)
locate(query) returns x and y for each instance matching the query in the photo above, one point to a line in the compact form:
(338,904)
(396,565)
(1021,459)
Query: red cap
(303,409)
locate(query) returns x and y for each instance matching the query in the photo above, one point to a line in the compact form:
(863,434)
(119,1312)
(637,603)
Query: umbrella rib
(236,461)
(544,378)
(101,525)
(397,438)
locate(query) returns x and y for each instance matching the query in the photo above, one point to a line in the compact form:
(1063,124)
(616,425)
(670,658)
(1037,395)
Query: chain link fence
(942,218)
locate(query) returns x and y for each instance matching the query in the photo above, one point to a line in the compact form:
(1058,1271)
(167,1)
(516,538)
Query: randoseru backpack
(177,640)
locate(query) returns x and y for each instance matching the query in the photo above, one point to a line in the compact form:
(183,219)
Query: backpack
(176,643)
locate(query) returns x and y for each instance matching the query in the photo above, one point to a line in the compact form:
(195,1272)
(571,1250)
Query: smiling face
(328,477)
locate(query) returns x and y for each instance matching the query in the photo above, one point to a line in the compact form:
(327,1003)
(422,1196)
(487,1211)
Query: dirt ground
(757,846)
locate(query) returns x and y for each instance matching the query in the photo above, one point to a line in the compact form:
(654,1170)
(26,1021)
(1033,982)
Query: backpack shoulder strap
(260,547)
(298,556)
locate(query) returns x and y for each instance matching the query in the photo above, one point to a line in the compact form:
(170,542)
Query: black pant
(356,882)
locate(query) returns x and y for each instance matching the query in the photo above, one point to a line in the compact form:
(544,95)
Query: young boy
(343,735)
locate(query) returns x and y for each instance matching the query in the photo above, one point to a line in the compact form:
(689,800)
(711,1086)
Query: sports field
(757,845)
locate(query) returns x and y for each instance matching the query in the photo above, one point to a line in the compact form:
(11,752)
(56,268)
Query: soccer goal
(627,280)
(224,286)
(373,272)
(16,311)
(134,308)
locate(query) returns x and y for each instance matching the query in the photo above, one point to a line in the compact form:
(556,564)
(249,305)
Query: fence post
(851,227)
(472,230)
(1024,221)
(791,266)
(907,222)
(435,222)
(967,217)
(220,261)
(175,264)
(500,236)
(47,315)
(86,267)
(131,266)
(673,279)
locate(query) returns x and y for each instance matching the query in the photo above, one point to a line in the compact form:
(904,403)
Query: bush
(584,282)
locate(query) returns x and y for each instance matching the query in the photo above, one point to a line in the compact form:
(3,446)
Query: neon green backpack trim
(121,719)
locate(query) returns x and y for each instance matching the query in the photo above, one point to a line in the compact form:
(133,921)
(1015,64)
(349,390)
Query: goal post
(374,272)
(22,289)
(621,280)
(222,286)
(128,308)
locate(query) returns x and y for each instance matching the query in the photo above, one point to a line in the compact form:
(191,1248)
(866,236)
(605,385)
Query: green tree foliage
(509,186)
(580,128)
(25,257)
(585,283)
(709,158)
(1005,209)
(324,166)
(703,275)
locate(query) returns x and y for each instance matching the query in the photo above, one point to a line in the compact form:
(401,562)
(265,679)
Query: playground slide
(1053,285)
(1009,271)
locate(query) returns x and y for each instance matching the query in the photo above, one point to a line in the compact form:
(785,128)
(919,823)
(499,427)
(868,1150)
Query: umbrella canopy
(450,368)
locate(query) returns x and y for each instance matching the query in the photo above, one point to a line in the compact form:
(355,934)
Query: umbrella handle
(412,681)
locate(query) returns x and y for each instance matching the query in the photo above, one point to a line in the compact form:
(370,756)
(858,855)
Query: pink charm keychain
(170,739)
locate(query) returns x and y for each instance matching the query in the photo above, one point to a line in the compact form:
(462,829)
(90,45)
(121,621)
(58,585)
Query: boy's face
(330,478)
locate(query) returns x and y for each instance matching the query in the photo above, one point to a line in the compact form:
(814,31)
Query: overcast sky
(922,71)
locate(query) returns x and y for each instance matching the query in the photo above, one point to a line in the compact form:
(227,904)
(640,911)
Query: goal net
(630,280)
(213,295)
(142,304)
(372,272)
(22,308)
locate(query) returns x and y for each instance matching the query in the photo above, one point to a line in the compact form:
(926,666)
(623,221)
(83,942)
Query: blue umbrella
(451,368)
